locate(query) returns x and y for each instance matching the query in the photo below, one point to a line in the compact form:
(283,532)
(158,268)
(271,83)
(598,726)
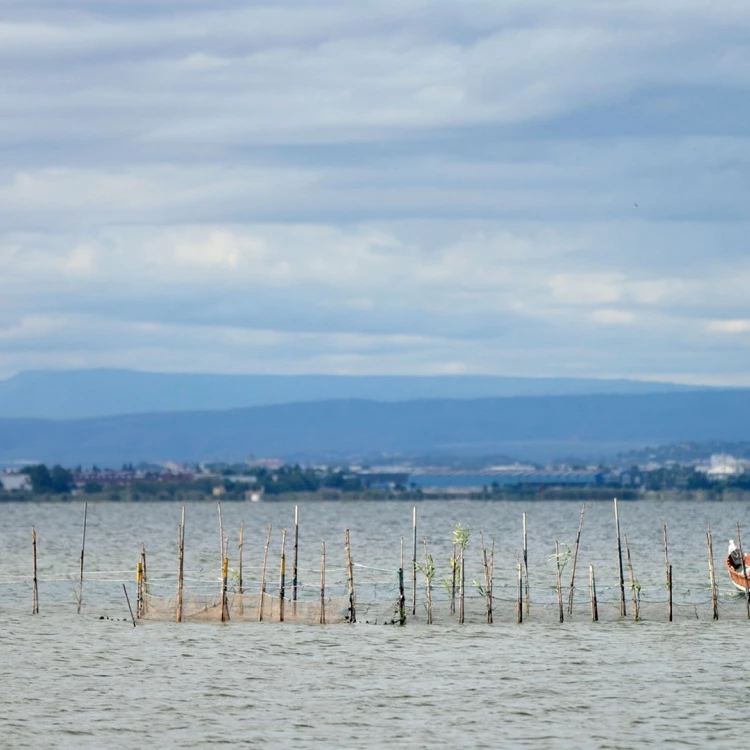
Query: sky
(523,188)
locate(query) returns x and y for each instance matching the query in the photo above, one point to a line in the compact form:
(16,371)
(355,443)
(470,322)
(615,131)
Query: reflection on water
(78,681)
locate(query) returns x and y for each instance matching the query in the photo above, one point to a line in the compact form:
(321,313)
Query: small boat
(734,566)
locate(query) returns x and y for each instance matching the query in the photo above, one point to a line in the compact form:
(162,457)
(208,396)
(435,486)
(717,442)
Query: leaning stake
(712,574)
(263,574)
(83,550)
(127,598)
(633,584)
(592,592)
(575,560)
(623,610)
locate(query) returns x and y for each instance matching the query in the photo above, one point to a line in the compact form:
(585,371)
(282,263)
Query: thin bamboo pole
(712,574)
(575,561)
(429,571)
(623,609)
(35,586)
(744,572)
(487,584)
(559,582)
(633,584)
(282,581)
(350,574)
(323,583)
(222,555)
(240,545)
(181,569)
(669,575)
(492,578)
(294,566)
(526,566)
(592,593)
(454,568)
(414,564)
(263,574)
(83,551)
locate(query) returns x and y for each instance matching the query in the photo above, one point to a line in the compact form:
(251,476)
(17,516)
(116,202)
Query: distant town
(272,479)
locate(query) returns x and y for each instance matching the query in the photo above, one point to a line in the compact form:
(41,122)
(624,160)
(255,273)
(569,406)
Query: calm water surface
(80,681)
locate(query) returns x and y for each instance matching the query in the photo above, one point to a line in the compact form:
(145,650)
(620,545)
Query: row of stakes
(458,582)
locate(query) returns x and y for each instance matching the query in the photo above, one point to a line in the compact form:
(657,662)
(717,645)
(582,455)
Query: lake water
(80,681)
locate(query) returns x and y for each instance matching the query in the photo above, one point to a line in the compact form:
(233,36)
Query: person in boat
(735,559)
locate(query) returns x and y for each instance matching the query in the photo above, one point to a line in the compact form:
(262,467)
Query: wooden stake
(263,574)
(623,610)
(454,567)
(294,567)
(139,589)
(487,584)
(178,612)
(83,550)
(669,575)
(35,586)
(127,599)
(323,583)
(744,572)
(283,576)
(519,605)
(526,566)
(559,581)
(592,592)
(240,590)
(222,555)
(575,561)
(144,581)
(414,565)
(633,585)
(350,573)
(429,571)
(712,574)
(401,598)
(492,578)
(224,581)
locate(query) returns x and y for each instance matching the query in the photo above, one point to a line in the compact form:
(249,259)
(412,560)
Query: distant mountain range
(78,394)
(527,427)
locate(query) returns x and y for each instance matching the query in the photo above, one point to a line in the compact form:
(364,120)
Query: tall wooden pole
(454,570)
(526,566)
(712,574)
(669,575)
(744,572)
(144,581)
(35,583)
(575,561)
(178,611)
(559,582)
(350,575)
(401,598)
(83,551)
(294,566)
(414,564)
(283,576)
(623,609)
(240,590)
(519,605)
(222,555)
(263,574)
(323,583)
(487,583)
(461,587)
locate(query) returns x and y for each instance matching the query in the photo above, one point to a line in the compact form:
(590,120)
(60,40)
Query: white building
(11,482)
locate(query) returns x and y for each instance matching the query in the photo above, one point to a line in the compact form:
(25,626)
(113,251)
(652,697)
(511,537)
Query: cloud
(528,188)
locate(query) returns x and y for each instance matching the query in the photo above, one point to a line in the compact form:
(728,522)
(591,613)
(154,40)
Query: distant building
(12,482)
(723,465)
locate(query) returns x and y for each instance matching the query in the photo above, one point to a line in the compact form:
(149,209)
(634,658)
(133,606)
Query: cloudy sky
(518,188)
